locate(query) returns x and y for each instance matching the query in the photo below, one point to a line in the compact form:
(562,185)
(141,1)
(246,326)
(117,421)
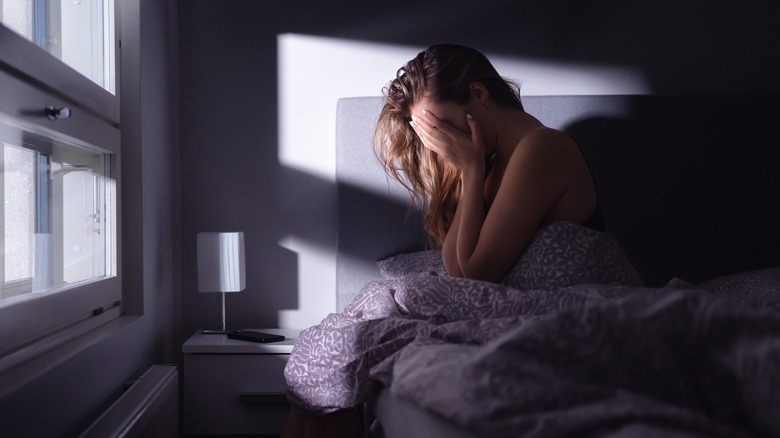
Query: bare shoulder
(544,137)
(545,146)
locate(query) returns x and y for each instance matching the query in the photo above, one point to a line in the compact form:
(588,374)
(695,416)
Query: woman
(489,174)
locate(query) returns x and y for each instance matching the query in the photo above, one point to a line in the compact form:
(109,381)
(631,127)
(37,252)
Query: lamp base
(214,332)
(217,332)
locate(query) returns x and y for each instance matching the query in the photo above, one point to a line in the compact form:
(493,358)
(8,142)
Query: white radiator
(148,408)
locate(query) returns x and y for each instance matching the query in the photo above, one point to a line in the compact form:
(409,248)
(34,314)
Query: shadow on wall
(323,222)
(364,227)
(689,46)
(689,184)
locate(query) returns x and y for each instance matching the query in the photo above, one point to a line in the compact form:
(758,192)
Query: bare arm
(449,249)
(486,247)
(532,182)
(466,153)
(472,219)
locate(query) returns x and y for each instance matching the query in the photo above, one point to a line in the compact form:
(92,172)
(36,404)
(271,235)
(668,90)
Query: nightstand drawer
(234,393)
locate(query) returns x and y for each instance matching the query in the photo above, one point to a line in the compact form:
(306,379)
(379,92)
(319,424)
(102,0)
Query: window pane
(19,185)
(79,32)
(57,212)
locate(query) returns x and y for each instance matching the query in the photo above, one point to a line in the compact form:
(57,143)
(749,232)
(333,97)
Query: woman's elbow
(453,268)
(474,269)
(481,275)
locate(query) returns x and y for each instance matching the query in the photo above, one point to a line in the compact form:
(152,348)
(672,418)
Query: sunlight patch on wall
(537,78)
(316,284)
(314,72)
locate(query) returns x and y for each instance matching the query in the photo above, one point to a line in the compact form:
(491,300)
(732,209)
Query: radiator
(148,408)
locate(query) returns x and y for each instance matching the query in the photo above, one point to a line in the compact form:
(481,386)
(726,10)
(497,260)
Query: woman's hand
(452,144)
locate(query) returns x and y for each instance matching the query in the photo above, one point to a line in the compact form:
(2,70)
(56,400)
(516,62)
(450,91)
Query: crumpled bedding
(577,360)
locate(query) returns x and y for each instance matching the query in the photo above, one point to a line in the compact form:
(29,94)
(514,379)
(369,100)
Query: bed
(667,324)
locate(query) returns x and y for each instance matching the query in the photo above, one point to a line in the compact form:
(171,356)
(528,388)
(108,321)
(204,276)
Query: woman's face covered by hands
(449,130)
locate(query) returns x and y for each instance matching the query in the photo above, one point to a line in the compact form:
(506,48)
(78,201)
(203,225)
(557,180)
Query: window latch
(54,113)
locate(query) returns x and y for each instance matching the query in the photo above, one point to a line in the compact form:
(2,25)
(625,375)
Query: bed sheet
(570,360)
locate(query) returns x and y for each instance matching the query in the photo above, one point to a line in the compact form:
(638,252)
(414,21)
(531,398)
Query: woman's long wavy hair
(443,73)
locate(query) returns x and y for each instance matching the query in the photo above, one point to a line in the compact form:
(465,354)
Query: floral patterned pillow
(559,254)
(562,254)
(402,265)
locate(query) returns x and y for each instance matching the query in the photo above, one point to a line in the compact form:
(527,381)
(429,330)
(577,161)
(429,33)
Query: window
(53,191)
(59,179)
(78,32)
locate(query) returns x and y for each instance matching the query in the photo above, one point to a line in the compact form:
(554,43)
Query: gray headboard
(689,184)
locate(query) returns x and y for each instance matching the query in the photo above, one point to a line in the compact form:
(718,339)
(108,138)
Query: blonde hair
(442,72)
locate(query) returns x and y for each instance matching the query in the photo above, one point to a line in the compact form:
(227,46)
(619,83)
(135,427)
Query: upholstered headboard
(689,185)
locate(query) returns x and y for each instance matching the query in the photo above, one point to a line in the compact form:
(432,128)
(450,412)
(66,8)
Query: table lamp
(221,266)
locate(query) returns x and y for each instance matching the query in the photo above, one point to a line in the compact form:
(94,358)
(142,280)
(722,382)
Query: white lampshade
(221,262)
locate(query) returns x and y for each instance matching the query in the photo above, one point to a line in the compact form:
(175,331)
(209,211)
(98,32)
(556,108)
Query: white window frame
(30,80)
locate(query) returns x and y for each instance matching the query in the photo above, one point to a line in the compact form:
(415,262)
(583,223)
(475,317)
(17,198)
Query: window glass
(78,32)
(57,212)
(19,211)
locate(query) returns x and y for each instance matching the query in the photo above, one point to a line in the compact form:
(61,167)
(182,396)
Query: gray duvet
(593,354)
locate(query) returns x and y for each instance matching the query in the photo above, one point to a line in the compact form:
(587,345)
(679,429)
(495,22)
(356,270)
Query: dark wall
(230,174)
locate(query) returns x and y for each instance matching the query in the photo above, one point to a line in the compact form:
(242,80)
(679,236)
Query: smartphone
(250,335)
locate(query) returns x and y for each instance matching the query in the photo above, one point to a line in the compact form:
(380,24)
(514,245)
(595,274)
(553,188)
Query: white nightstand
(235,387)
